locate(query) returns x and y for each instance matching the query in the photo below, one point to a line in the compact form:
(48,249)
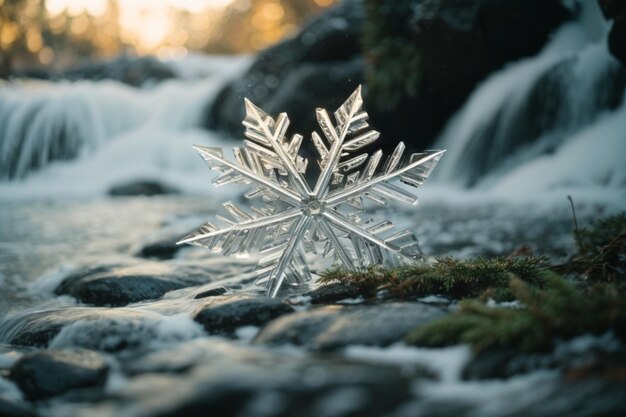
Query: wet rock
(332,292)
(118,285)
(104,329)
(212,292)
(146,188)
(231,379)
(161,249)
(46,374)
(10,409)
(335,327)
(319,67)
(589,398)
(503,363)
(223,314)
(419,60)
(455,45)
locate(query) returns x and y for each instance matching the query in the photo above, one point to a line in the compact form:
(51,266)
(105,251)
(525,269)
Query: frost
(295,220)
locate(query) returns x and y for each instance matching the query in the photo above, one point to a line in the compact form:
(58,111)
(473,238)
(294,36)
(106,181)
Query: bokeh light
(62,33)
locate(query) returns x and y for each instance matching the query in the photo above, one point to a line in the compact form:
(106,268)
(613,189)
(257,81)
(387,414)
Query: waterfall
(42,122)
(539,107)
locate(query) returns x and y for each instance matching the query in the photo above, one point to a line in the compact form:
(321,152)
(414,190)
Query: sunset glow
(144,23)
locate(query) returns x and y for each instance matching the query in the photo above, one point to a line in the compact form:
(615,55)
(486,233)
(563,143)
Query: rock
(231,379)
(503,363)
(223,314)
(46,374)
(212,292)
(457,44)
(103,329)
(10,409)
(617,38)
(335,327)
(142,187)
(330,293)
(319,67)
(442,48)
(160,249)
(118,285)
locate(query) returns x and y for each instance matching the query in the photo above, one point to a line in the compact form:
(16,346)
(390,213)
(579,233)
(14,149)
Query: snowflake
(293,220)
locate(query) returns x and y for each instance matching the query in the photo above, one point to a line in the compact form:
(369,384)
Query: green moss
(562,310)
(393,69)
(601,253)
(446,276)
(601,233)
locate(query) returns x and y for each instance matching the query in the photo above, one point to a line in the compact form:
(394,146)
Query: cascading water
(43,122)
(562,108)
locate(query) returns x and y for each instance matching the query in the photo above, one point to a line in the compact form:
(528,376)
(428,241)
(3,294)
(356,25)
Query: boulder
(45,374)
(335,327)
(419,59)
(319,67)
(224,314)
(453,46)
(118,285)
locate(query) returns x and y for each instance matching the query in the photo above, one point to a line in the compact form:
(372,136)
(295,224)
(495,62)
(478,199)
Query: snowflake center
(314,207)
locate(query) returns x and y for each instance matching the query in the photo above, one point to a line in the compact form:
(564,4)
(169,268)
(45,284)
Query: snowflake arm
(415,173)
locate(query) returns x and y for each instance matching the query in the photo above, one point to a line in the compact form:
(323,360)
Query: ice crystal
(294,221)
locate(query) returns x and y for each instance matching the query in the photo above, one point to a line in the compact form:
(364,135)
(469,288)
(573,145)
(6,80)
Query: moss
(446,276)
(562,310)
(601,255)
(393,60)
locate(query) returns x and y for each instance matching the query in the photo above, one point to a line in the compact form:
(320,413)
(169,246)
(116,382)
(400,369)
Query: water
(501,185)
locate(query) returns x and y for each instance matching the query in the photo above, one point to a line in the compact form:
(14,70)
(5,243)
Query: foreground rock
(221,378)
(9,409)
(119,285)
(102,329)
(224,314)
(46,374)
(335,327)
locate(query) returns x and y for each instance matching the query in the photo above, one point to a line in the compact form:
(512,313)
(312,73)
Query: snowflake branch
(339,196)
(246,225)
(275,139)
(208,155)
(278,274)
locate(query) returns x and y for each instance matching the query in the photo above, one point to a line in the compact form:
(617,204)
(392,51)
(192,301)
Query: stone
(102,329)
(313,69)
(331,293)
(334,327)
(46,374)
(11,409)
(212,292)
(119,285)
(231,379)
(142,187)
(224,314)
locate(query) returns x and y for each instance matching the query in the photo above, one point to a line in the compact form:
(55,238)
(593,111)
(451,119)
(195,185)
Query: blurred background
(508,88)
(60,34)
(102,100)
